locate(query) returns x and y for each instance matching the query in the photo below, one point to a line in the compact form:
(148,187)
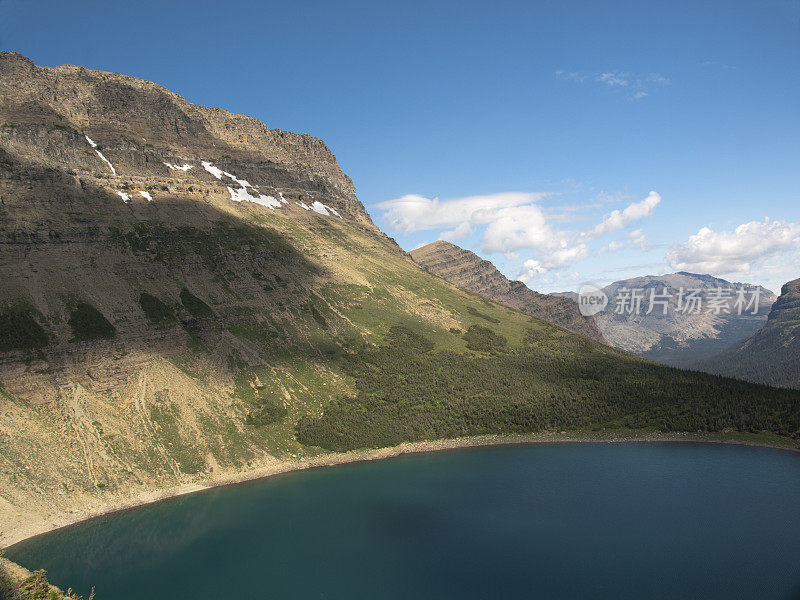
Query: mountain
(470,272)
(686,332)
(191,297)
(772,354)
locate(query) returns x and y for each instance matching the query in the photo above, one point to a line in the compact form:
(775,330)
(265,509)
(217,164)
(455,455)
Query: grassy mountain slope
(156,332)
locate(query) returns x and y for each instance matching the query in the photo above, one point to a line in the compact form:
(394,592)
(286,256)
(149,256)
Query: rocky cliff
(122,134)
(470,272)
(772,354)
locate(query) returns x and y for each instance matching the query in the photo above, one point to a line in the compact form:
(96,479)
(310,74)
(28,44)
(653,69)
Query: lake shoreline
(332,459)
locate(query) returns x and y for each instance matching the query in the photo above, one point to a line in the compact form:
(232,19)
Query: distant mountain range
(772,354)
(470,272)
(693,316)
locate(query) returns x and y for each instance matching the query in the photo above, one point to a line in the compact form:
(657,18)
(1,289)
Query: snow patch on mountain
(324,209)
(100,154)
(218,173)
(179,167)
(243,194)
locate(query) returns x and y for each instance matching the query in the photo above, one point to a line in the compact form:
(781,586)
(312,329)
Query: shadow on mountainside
(222,291)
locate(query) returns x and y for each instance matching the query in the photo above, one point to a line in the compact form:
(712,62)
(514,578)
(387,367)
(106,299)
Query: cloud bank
(735,251)
(510,223)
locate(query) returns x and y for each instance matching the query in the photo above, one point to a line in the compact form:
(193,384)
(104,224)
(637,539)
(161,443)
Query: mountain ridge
(470,272)
(680,338)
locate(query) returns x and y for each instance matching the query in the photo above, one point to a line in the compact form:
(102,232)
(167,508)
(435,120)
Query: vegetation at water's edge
(408,392)
(34,587)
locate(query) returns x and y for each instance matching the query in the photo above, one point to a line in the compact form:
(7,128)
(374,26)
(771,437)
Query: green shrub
(196,307)
(407,340)
(34,587)
(155,310)
(19,331)
(483,339)
(318,317)
(88,323)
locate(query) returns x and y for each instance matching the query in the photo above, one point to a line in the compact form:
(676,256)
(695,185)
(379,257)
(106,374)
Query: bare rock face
(676,334)
(469,272)
(772,354)
(125,134)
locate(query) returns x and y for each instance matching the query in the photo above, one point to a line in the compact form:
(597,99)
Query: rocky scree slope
(189,295)
(470,272)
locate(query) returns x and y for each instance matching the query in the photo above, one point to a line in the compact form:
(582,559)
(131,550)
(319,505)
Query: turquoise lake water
(535,521)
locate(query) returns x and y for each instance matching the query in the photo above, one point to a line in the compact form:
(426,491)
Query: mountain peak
(139,127)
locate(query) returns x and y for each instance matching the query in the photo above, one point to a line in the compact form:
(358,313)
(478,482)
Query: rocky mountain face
(470,272)
(772,354)
(692,316)
(175,281)
(122,134)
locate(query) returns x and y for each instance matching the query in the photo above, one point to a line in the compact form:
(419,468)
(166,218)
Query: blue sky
(565,141)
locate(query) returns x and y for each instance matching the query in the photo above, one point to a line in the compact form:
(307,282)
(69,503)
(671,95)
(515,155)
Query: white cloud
(613,246)
(460,232)
(620,218)
(612,79)
(566,255)
(637,85)
(531,270)
(512,222)
(420,245)
(637,237)
(719,253)
(413,212)
(516,228)
(570,75)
